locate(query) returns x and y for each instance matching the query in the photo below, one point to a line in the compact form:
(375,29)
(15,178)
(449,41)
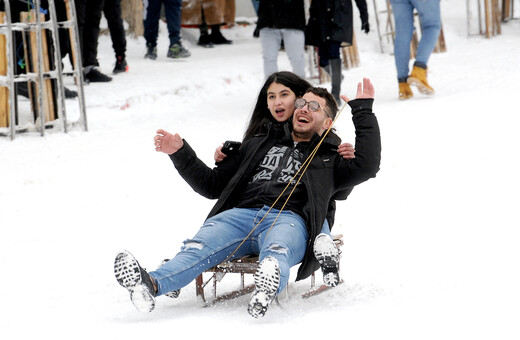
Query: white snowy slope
(431,245)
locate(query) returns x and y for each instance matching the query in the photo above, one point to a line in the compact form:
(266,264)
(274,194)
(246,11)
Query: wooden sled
(243,266)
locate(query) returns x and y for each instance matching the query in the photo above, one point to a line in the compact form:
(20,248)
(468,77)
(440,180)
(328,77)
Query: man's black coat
(329,175)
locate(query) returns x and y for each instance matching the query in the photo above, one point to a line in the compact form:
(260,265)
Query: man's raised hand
(166,142)
(364,90)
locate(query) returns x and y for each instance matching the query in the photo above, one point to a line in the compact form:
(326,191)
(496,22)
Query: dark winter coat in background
(328,176)
(281,14)
(332,20)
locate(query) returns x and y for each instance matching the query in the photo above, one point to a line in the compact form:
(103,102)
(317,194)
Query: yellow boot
(405,92)
(418,78)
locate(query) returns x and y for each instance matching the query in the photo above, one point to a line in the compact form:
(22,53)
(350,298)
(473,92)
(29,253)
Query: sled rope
(305,165)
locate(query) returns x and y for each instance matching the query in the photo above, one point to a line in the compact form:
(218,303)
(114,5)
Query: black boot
(69,94)
(217,38)
(335,70)
(204,38)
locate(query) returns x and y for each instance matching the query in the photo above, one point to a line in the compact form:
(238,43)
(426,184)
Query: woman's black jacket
(332,20)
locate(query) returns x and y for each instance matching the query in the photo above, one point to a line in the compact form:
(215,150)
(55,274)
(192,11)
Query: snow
(431,245)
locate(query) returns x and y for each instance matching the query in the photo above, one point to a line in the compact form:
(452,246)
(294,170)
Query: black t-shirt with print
(271,176)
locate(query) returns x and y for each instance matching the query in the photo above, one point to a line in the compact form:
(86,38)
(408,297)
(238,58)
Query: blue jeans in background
(255,3)
(152,14)
(294,43)
(220,236)
(430,17)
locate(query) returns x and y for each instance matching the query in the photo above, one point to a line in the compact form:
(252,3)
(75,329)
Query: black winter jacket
(328,176)
(332,20)
(281,14)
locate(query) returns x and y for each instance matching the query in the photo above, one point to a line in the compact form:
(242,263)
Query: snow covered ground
(431,245)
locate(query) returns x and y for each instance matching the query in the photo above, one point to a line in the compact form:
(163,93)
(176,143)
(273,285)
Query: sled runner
(243,266)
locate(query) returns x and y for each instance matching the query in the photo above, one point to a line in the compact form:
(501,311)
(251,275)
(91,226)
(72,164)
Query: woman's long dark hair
(261,114)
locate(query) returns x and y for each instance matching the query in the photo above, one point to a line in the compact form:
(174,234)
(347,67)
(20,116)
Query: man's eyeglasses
(313,105)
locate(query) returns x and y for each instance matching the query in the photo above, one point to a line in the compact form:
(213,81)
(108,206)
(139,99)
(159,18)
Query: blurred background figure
(152,14)
(430,18)
(112,11)
(329,28)
(282,21)
(89,18)
(209,14)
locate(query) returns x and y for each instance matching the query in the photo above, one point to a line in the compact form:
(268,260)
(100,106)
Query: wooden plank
(4,91)
(488,10)
(497,18)
(506,10)
(351,54)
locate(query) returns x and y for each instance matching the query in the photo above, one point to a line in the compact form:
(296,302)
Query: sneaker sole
(327,255)
(420,86)
(267,277)
(258,305)
(127,270)
(128,274)
(142,299)
(267,281)
(178,56)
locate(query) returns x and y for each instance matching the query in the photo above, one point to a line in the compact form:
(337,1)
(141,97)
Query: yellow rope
(305,165)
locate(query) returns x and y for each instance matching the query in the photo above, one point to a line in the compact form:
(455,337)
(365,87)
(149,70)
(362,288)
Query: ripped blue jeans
(222,234)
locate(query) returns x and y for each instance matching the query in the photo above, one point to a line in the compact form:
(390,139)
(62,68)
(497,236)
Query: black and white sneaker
(327,255)
(151,52)
(178,51)
(136,280)
(174,293)
(267,280)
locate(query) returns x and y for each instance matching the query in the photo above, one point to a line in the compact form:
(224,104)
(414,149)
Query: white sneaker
(267,280)
(328,256)
(136,280)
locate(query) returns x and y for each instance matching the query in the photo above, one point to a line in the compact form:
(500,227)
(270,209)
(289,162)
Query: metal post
(78,64)
(10,69)
(40,65)
(57,65)
(378,28)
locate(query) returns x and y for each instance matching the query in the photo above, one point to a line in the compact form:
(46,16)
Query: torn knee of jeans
(208,224)
(192,244)
(275,248)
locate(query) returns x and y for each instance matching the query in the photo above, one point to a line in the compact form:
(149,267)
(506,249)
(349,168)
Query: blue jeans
(220,236)
(152,13)
(255,3)
(430,16)
(294,43)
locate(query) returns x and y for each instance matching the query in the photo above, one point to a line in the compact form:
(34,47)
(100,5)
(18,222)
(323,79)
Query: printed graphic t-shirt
(277,169)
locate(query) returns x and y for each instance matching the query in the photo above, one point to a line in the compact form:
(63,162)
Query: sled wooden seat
(243,266)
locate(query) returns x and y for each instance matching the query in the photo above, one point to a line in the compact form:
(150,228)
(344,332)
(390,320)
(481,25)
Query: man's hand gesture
(166,142)
(365,90)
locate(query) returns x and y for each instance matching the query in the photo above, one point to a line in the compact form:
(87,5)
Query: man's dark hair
(332,107)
